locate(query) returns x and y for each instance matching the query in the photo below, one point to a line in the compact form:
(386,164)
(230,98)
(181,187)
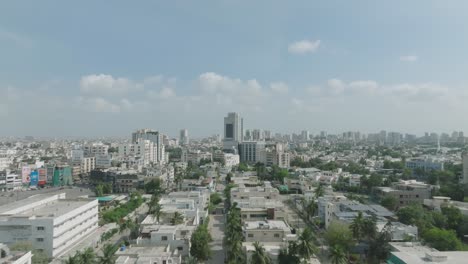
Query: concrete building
(103,161)
(144,150)
(426,164)
(267,231)
(184,137)
(88,164)
(405,192)
(233,132)
(52,223)
(176,237)
(267,191)
(416,253)
(95,149)
(252,152)
(156,138)
(465,167)
(195,156)
(151,255)
(438,202)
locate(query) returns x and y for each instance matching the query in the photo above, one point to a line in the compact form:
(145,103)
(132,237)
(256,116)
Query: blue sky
(285,65)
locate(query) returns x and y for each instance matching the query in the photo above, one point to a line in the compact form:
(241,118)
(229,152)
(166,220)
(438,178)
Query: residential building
(88,164)
(267,191)
(156,138)
(96,149)
(416,253)
(173,236)
(405,192)
(425,164)
(267,231)
(152,255)
(103,161)
(52,223)
(195,156)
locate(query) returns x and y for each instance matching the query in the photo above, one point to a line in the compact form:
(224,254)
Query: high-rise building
(233,132)
(465,167)
(305,135)
(252,152)
(257,135)
(184,137)
(155,137)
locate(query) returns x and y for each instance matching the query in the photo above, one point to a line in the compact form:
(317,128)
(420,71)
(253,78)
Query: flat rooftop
(415,253)
(54,209)
(269,224)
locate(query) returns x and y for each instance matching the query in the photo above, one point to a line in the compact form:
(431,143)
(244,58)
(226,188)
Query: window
(180,248)
(417,195)
(39,239)
(277,235)
(164,238)
(40,228)
(401,195)
(250,235)
(183,233)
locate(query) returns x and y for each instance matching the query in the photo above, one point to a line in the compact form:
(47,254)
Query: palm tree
(88,256)
(108,254)
(337,255)
(305,245)
(177,219)
(158,211)
(126,224)
(259,256)
(369,227)
(311,209)
(357,227)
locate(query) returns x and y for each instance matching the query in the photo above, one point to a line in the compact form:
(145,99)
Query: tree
(177,219)
(357,227)
(369,228)
(72,260)
(108,254)
(305,245)
(379,247)
(337,255)
(200,248)
(310,208)
(99,190)
(389,202)
(154,187)
(441,239)
(289,255)
(259,255)
(88,256)
(126,224)
(339,234)
(454,216)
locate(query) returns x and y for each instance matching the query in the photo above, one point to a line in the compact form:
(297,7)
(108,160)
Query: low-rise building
(176,237)
(405,192)
(14,257)
(267,231)
(51,223)
(243,192)
(415,253)
(145,255)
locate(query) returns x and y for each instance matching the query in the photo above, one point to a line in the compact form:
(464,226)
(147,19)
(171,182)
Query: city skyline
(285,67)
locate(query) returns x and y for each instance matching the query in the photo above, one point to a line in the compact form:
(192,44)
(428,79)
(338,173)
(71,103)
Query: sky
(97,68)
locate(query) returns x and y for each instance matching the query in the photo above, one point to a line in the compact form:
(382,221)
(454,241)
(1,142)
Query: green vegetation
(108,254)
(259,255)
(200,248)
(177,219)
(154,187)
(86,257)
(233,236)
(442,231)
(107,235)
(114,215)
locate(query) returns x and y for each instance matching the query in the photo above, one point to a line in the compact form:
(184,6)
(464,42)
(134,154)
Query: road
(217,229)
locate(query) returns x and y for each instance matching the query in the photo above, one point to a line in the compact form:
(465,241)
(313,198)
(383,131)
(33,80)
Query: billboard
(34,177)
(42,176)
(26,172)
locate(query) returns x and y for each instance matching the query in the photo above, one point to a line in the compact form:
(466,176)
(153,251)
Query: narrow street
(217,229)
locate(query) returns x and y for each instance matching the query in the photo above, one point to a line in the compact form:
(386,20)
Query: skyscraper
(233,132)
(184,137)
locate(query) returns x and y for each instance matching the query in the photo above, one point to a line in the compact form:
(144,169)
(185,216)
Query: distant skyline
(88,68)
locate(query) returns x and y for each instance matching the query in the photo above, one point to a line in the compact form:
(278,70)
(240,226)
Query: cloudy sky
(71,68)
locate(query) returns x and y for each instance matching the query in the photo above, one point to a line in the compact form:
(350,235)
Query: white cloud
(97,104)
(335,86)
(304,46)
(409,58)
(418,92)
(363,87)
(107,85)
(279,87)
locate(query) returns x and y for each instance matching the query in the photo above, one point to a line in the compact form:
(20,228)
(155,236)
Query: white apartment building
(195,156)
(5,159)
(95,149)
(13,182)
(152,255)
(243,192)
(88,164)
(51,223)
(176,237)
(156,138)
(142,149)
(267,231)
